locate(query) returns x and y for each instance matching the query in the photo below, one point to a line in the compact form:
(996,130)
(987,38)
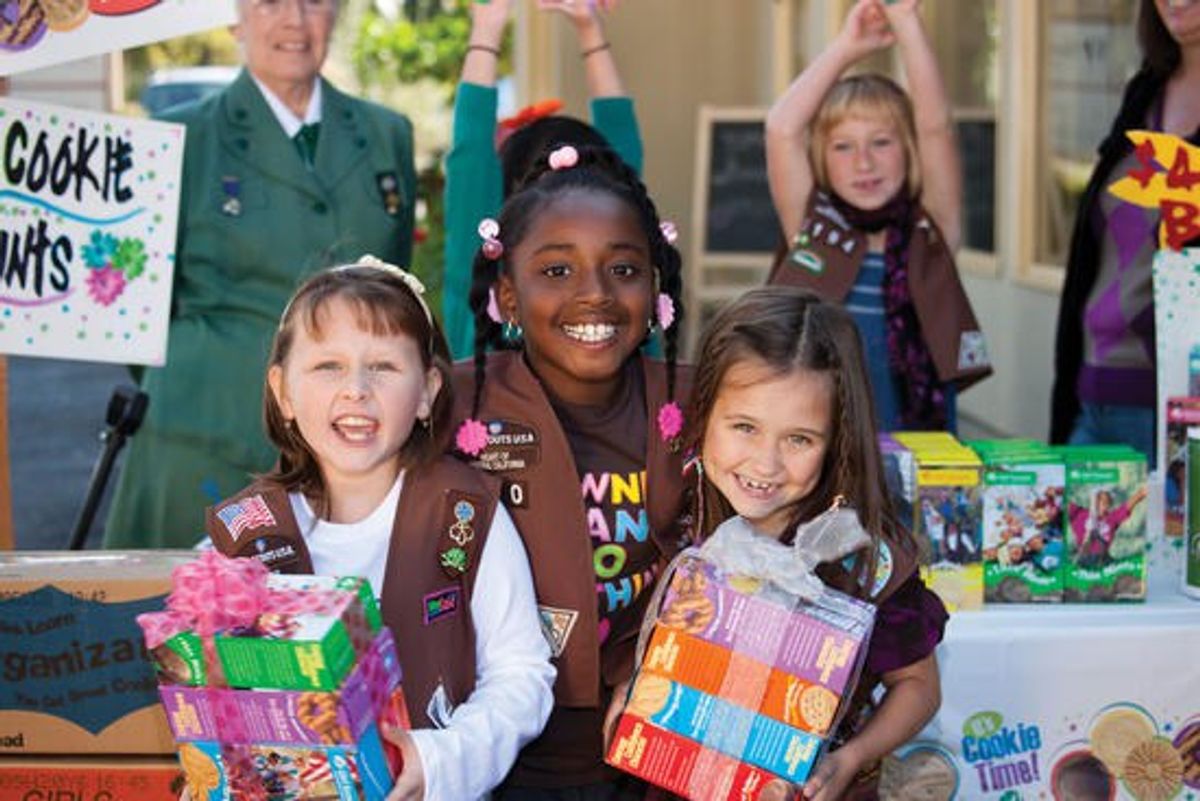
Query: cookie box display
(1182,413)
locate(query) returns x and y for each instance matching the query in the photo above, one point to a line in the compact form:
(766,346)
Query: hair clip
(666,310)
(493,308)
(669,231)
(489,231)
(408,279)
(563,158)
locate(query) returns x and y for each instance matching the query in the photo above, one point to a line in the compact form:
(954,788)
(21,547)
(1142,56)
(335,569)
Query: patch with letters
(249,513)
(510,446)
(274,551)
(557,625)
(441,604)
(972,351)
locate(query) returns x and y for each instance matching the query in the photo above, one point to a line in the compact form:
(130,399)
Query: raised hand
(866,30)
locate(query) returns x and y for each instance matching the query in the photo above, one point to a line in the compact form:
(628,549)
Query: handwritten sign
(88,210)
(39,33)
(1167,178)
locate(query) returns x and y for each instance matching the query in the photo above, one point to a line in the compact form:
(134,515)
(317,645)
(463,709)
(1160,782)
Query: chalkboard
(977,142)
(739,216)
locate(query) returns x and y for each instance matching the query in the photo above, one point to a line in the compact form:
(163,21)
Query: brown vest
(530,452)
(427,608)
(826,258)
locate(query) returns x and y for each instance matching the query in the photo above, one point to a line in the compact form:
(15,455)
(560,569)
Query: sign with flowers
(88,211)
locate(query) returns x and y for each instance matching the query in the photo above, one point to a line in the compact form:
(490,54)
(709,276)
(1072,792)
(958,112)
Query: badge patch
(515,494)
(231,187)
(389,192)
(808,260)
(883,569)
(453,557)
(510,446)
(440,604)
(972,351)
(246,514)
(557,625)
(274,552)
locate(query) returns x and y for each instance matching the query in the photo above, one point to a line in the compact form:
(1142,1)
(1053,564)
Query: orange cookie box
(741,680)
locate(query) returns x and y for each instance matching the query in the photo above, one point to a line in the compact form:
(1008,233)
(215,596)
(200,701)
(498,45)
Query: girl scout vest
(529,451)
(427,607)
(826,258)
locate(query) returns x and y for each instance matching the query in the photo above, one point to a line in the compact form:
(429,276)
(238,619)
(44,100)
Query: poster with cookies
(40,33)
(88,210)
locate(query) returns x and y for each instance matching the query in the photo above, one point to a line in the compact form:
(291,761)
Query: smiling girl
(568,283)
(358,402)
(869,195)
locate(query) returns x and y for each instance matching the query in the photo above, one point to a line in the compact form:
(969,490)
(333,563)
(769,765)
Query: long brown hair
(1159,48)
(791,329)
(384,305)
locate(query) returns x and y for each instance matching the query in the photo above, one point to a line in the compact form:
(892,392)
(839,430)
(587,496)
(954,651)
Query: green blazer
(254,221)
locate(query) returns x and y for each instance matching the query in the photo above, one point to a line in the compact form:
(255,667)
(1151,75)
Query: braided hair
(598,170)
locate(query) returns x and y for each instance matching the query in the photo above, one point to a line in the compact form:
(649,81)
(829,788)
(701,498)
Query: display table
(1049,702)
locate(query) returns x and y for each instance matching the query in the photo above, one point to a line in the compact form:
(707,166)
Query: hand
(832,776)
(615,707)
(488,21)
(866,30)
(410,784)
(579,12)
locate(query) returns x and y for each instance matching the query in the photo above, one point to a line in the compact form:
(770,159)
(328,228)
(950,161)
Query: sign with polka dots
(40,33)
(88,210)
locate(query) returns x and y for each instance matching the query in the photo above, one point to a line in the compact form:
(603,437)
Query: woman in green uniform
(283,174)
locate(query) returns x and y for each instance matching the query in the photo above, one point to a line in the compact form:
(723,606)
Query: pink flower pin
(666,311)
(563,158)
(106,284)
(472,437)
(670,421)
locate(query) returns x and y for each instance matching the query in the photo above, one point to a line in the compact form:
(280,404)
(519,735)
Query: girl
(582,428)
(478,178)
(869,194)
(783,427)
(358,402)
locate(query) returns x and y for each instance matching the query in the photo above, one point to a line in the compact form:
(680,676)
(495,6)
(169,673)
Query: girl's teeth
(591,332)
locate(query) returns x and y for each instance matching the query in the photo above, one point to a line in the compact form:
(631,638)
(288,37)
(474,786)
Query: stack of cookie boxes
(289,706)
(1024,554)
(739,687)
(946,516)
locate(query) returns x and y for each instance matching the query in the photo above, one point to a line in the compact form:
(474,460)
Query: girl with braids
(869,194)
(782,425)
(583,429)
(358,402)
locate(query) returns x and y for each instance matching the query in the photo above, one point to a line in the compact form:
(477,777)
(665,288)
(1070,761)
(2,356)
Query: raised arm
(599,66)
(941,170)
(788,171)
(488,21)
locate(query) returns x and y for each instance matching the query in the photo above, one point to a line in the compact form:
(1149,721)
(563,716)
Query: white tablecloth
(1047,702)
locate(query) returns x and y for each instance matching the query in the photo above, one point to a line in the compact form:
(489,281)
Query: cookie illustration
(923,775)
(1187,743)
(1118,732)
(64,15)
(817,706)
(1153,770)
(22,24)
(1079,776)
(650,694)
(202,774)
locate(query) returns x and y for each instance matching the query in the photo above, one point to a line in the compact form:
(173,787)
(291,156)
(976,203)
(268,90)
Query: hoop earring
(511,331)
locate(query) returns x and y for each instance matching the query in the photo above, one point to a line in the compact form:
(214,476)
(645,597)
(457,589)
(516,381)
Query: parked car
(172,87)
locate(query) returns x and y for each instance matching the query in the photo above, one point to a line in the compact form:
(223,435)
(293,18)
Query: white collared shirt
(290,123)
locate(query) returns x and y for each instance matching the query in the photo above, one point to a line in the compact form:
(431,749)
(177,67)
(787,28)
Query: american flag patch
(247,513)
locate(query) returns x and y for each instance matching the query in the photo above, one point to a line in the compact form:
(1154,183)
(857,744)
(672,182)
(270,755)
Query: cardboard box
(1106,524)
(688,769)
(221,772)
(948,524)
(74,673)
(1182,413)
(1024,554)
(80,779)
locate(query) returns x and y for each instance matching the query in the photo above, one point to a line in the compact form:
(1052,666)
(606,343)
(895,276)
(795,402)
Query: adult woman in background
(1104,386)
(282,174)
